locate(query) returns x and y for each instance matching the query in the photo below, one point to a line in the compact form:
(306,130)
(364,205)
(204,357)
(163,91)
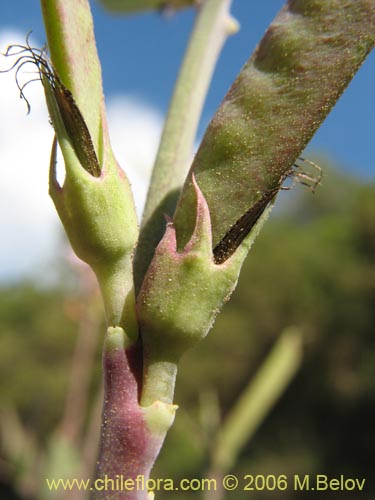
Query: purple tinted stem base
(128,448)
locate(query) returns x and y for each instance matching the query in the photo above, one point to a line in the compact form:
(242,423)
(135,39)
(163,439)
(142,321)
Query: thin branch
(212,27)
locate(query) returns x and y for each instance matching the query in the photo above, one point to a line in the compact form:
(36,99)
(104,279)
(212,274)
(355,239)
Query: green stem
(212,27)
(159,378)
(116,285)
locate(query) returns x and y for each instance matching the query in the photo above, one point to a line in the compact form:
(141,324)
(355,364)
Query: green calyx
(191,286)
(96,212)
(95,205)
(99,219)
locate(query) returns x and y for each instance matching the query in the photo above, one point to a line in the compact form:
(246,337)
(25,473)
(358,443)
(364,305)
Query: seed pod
(285,90)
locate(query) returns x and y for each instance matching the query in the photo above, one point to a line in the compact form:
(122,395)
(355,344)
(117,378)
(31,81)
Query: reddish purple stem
(127,448)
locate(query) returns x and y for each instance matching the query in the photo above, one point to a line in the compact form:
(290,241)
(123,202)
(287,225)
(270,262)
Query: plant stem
(123,443)
(131,436)
(117,290)
(158,382)
(212,27)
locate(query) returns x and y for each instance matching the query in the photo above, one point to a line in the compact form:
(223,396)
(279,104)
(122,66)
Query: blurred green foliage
(36,344)
(311,267)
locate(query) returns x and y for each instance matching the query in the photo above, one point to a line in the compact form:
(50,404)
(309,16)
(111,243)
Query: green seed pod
(283,93)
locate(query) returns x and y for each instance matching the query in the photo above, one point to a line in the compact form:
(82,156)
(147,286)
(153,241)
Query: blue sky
(141,55)
(140,59)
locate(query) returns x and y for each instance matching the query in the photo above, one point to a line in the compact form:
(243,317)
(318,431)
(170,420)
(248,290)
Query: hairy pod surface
(300,68)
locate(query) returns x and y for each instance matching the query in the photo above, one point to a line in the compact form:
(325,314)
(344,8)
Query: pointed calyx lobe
(283,93)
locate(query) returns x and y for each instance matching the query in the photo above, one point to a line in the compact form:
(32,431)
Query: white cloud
(27,218)
(29,226)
